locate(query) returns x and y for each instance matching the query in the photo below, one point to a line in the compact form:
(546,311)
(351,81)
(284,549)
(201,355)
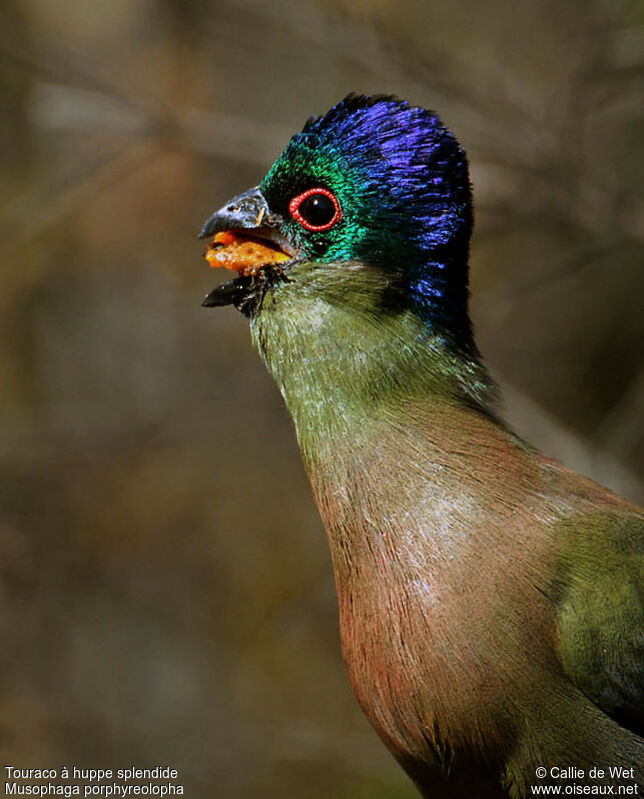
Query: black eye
(316,209)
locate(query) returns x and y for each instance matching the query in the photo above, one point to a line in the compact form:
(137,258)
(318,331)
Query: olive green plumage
(337,352)
(431,505)
(490,600)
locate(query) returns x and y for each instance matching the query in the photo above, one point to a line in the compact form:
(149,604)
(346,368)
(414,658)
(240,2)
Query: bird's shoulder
(598,591)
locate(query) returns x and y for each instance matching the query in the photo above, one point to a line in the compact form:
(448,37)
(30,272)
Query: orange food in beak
(243,254)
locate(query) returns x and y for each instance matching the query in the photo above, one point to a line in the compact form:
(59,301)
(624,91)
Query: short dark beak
(239,230)
(246,211)
(249,211)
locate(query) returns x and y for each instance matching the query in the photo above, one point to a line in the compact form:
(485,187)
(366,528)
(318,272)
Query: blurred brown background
(166,592)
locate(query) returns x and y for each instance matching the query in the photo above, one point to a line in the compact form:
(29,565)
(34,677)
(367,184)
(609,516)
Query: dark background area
(167,596)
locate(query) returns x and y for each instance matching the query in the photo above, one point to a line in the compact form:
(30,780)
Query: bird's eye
(316,209)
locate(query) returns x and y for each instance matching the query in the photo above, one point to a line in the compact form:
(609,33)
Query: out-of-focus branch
(596,460)
(624,423)
(208,132)
(37,215)
(73,109)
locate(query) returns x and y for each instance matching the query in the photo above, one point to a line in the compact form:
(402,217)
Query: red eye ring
(296,202)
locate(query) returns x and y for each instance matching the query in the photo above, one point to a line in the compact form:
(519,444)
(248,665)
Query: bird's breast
(421,661)
(441,617)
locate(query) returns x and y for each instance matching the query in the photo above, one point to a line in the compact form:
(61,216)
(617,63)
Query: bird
(490,599)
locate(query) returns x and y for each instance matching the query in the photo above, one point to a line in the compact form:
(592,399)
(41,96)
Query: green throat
(346,354)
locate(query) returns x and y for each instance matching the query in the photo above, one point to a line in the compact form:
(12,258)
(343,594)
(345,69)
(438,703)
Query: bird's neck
(408,466)
(346,363)
(400,443)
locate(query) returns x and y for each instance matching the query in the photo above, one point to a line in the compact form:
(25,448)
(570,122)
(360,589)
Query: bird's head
(374,182)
